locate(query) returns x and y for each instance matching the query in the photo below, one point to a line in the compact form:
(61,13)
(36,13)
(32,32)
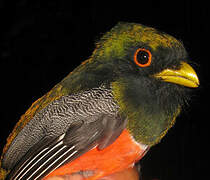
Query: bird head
(148,73)
(136,49)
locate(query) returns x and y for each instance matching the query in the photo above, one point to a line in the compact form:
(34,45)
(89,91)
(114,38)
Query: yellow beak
(185,76)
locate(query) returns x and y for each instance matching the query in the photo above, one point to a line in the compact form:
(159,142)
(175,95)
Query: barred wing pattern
(63,131)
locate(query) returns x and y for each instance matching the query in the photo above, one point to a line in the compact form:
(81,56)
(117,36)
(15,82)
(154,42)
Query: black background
(42,41)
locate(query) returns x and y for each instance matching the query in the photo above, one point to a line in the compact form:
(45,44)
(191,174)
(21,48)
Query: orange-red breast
(107,113)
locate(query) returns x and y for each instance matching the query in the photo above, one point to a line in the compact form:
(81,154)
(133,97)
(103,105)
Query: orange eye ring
(146,54)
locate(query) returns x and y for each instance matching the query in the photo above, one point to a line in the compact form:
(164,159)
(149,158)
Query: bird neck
(148,120)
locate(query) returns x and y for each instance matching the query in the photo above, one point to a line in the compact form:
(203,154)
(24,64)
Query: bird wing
(51,153)
(37,106)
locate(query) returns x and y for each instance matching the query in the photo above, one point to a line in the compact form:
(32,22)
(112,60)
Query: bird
(107,113)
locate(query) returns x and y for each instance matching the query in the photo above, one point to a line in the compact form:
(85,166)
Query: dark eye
(142,57)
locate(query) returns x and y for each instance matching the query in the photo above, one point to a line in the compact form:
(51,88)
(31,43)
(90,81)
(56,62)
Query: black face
(146,61)
(154,102)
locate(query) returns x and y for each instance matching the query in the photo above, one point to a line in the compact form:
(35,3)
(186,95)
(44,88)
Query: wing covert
(49,154)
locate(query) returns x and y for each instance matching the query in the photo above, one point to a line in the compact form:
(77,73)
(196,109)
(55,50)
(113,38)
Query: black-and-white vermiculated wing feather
(48,155)
(64,130)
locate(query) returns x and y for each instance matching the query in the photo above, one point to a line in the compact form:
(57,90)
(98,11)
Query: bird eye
(142,57)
